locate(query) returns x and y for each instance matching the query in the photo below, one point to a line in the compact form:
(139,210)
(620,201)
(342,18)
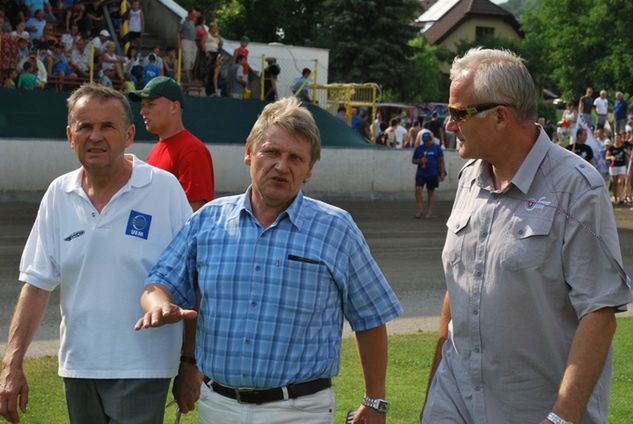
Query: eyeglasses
(461,115)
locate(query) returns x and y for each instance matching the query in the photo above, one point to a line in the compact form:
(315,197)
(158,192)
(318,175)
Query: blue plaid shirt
(273,299)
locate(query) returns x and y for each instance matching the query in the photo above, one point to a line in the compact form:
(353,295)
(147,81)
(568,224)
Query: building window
(481,32)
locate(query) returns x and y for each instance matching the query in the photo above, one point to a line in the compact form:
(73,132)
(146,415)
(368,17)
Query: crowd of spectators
(605,143)
(64,41)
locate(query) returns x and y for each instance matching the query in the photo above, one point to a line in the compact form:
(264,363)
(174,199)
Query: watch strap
(379,405)
(555,419)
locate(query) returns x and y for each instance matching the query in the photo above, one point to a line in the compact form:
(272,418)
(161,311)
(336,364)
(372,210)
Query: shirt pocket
(526,245)
(307,283)
(458,227)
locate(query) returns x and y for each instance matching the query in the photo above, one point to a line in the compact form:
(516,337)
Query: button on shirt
(522,266)
(273,300)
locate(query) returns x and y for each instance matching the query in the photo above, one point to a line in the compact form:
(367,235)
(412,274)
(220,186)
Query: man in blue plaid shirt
(277,272)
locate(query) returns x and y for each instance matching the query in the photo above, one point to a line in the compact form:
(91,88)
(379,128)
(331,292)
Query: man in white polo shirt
(601,105)
(98,231)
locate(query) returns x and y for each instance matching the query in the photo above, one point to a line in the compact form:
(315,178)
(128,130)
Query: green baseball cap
(159,87)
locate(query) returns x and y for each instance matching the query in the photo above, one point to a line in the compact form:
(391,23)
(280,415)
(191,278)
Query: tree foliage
(369,41)
(582,43)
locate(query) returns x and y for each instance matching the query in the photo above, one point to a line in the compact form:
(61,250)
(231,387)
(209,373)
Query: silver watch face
(379,405)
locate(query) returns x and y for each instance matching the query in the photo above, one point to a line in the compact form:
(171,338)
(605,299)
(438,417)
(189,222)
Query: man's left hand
(366,415)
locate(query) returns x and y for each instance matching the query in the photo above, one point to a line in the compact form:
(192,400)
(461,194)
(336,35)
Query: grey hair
(101,92)
(499,76)
(292,117)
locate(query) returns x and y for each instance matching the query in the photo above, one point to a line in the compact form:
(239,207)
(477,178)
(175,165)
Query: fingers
(24,398)
(165,314)
(8,407)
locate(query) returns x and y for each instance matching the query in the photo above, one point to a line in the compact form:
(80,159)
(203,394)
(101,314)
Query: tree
(582,43)
(427,82)
(287,21)
(369,41)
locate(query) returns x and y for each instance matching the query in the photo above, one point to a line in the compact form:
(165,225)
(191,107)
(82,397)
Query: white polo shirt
(602,105)
(100,261)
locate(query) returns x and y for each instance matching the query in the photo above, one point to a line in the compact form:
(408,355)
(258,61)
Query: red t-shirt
(186,157)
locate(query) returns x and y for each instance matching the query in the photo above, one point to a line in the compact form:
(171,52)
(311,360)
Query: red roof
(463,10)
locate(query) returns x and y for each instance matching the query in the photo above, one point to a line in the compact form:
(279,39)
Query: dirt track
(408,251)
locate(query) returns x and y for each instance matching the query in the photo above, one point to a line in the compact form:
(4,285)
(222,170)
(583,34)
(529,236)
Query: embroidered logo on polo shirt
(75,235)
(532,204)
(138,224)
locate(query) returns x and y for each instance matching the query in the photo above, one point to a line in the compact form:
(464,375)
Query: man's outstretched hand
(168,313)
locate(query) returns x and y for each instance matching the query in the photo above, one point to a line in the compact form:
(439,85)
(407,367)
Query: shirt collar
(524,177)
(141,176)
(526,173)
(294,212)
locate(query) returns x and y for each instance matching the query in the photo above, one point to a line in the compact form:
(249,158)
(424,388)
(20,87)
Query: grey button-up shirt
(522,266)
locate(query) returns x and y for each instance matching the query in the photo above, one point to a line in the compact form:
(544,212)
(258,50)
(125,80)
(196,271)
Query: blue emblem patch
(138,224)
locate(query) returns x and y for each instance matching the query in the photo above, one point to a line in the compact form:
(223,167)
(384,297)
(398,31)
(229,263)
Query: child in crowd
(136,23)
(151,70)
(10,82)
(169,63)
(27,79)
(23,48)
(242,51)
(128,85)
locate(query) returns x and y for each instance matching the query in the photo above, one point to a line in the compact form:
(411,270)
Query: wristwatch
(379,405)
(555,419)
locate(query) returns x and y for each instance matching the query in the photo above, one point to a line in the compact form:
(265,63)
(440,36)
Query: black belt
(258,396)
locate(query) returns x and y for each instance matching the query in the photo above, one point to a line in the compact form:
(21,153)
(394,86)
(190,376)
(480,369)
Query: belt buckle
(239,392)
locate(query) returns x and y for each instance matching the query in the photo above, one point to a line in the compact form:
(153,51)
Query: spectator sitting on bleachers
(44,56)
(93,18)
(60,66)
(23,48)
(27,79)
(48,36)
(111,62)
(80,58)
(32,6)
(20,31)
(35,25)
(151,70)
(69,38)
(75,16)
(133,64)
(99,41)
(128,85)
(159,59)
(170,61)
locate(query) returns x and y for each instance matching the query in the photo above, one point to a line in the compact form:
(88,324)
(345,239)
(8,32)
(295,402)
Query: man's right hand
(168,313)
(186,388)
(13,385)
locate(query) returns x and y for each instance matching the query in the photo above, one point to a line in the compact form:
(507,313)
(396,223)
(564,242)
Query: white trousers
(318,408)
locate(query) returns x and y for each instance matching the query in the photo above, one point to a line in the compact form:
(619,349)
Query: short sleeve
(39,265)
(175,268)
(370,300)
(591,243)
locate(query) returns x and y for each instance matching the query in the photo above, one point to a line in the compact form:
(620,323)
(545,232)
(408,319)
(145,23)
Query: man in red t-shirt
(178,151)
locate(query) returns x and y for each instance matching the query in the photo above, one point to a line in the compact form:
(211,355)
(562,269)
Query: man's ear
(69,136)
(247,155)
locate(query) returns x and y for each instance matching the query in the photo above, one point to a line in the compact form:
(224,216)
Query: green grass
(409,361)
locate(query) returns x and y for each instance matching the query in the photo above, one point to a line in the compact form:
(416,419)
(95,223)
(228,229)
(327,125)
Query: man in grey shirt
(186,38)
(532,264)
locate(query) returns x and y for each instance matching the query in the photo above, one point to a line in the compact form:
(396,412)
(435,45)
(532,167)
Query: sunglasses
(461,115)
